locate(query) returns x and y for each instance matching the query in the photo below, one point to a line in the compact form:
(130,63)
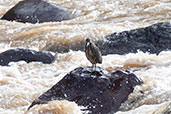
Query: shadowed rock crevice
(37,11)
(99,93)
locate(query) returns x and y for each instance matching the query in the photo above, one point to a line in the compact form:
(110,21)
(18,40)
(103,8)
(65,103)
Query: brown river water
(21,82)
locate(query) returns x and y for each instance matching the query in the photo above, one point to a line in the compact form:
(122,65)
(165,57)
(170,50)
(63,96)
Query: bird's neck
(87,44)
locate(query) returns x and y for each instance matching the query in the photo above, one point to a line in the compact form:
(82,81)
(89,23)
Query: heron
(92,53)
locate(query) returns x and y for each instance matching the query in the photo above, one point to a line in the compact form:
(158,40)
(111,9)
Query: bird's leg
(95,66)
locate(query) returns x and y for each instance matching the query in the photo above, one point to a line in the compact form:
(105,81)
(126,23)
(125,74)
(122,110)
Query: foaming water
(21,82)
(94,19)
(56,107)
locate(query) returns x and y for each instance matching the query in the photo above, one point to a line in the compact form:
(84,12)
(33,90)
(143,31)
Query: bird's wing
(96,53)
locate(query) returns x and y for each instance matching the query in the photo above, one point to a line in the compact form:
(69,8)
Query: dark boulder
(37,11)
(14,55)
(97,90)
(152,39)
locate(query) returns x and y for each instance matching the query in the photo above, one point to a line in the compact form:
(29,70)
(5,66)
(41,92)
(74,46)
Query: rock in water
(153,39)
(97,90)
(14,55)
(37,11)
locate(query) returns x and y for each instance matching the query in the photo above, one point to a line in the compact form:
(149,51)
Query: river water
(21,82)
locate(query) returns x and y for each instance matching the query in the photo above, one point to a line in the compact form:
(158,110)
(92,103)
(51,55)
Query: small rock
(27,55)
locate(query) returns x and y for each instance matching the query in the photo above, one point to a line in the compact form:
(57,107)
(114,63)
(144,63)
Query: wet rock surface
(27,55)
(97,90)
(153,39)
(37,11)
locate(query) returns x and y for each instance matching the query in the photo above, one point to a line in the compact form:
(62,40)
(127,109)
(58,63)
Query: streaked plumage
(92,52)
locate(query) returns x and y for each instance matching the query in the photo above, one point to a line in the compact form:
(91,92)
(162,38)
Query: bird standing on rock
(92,53)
